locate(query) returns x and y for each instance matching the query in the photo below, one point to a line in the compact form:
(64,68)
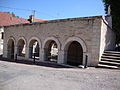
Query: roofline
(59,20)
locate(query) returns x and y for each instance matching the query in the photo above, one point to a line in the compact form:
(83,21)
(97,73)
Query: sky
(53,9)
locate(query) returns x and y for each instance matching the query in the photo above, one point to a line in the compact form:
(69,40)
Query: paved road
(16,76)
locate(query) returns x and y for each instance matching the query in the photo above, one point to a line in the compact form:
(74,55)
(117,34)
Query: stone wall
(87,31)
(108,37)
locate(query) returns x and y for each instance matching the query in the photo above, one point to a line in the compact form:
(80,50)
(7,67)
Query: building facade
(71,40)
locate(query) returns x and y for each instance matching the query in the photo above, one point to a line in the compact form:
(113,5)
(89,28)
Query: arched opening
(74,54)
(10,49)
(21,48)
(34,49)
(51,51)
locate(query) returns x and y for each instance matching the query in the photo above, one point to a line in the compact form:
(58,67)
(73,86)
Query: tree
(115,13)
(14,15)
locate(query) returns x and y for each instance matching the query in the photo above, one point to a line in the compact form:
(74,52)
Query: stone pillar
(27,52)
(65,57)
(84,58)
(62,57)
(5,54)
(15,51)
(88,58)
(42,54)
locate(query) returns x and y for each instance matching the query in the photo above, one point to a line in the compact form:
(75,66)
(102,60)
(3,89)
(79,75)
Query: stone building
(64,41)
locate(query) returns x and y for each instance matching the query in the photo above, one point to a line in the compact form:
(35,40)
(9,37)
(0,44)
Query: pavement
(26,76)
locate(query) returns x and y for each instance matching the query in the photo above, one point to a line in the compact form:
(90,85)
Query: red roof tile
(8,19)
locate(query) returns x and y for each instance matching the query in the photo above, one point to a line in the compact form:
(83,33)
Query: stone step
(111,54)
(107,66)
(109,63)
(110,57)
(110,60)
(114,52)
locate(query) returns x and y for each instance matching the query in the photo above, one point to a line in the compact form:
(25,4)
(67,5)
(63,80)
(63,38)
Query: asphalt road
(17,76)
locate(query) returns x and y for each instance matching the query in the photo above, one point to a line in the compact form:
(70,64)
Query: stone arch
(54,39)
(21,46)
(51,46)
(34,45)
(74,49)
(11,37)
(71,39)
(22,38)
(35,38)
(11,47)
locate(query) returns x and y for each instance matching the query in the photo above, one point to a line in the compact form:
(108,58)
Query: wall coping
(59,20)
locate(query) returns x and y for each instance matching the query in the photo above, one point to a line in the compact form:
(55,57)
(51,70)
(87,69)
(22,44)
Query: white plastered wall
(1,40)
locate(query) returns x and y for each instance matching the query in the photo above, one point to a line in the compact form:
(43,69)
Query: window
(2,35)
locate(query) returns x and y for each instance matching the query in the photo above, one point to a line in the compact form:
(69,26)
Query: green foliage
(106,4)
(115,12)
(14,15)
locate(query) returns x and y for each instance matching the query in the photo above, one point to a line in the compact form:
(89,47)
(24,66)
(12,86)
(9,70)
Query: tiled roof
(8,19)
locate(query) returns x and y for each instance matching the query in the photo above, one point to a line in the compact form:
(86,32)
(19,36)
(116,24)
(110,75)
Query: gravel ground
(16,76)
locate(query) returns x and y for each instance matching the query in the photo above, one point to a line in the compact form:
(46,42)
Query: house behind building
(7,19)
